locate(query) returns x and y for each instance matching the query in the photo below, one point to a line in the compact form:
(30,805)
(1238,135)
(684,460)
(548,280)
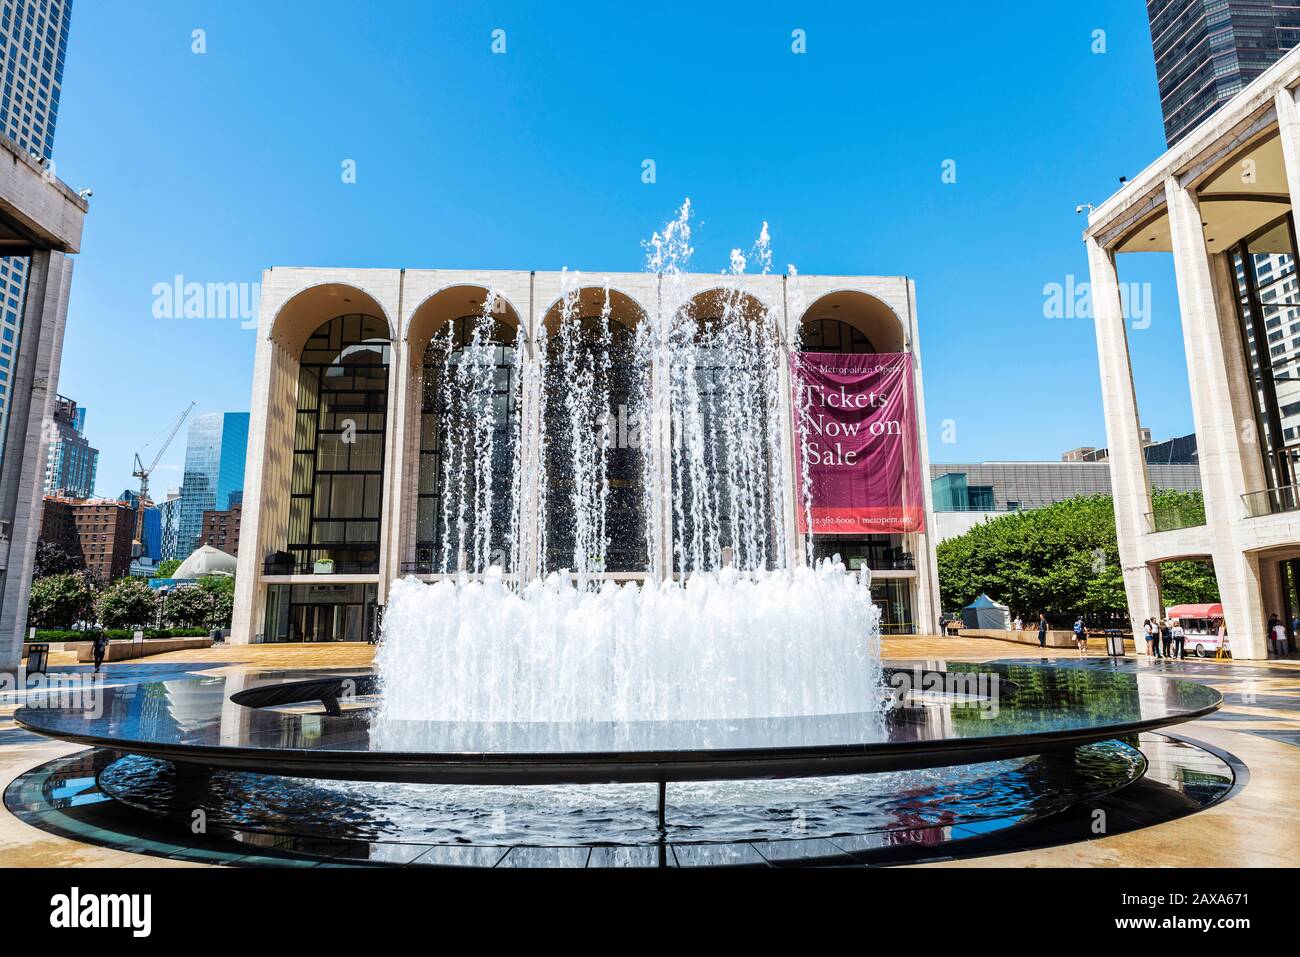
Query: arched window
(610,367)
(727,486)
(338,451)
(447,481)
(832,335)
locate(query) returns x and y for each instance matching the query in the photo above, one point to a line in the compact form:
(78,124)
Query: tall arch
(851,321)
(593,507)
(438,526)
(328,346)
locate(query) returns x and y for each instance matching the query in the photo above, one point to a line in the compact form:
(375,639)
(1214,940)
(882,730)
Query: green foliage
(58,600)
(221,593)
(187,607)
(1063,560)
(127,602)
(52,559)
(210,603)
(167,567)
(54,634)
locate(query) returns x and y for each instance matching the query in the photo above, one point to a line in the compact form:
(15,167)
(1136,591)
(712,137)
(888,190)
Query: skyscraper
(33,44)
(1207,50)
(214,469)
(70,463)
(169,517)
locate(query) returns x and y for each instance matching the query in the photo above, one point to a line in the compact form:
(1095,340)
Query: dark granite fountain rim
(336,747)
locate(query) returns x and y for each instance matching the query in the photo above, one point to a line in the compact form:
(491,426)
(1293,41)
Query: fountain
(663,622)
(731,630)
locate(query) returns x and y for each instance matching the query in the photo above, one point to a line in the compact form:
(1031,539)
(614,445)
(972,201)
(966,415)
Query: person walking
(1179,640)
(1167,637)
(99,646)
(1279,639)
(1149,630)
(1042,630)
(1080,637)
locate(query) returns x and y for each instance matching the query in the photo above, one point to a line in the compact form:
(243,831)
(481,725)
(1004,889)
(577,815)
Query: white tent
(206,561)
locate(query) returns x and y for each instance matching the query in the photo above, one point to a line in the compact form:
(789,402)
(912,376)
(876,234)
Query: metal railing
(1272,501)
(1172,519)
(286,566)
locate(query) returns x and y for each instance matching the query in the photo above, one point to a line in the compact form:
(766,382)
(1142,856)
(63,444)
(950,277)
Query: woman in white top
(1279,640)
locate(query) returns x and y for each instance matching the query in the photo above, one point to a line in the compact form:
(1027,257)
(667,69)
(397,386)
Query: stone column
(928,602)
(1128,469)
(1288,124)
(532,465)
(22,473)
(250,593)
(1216,393)
(392,547)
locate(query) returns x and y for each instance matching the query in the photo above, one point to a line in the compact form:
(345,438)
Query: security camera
(85,193)
(1082,206)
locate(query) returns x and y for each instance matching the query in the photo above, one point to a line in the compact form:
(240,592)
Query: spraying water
(728,622)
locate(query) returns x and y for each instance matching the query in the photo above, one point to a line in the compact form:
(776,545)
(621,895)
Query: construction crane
(142,473)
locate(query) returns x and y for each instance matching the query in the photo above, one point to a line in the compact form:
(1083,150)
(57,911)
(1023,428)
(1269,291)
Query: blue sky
(215,166)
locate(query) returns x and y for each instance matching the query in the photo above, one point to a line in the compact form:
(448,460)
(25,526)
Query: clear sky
(217,165)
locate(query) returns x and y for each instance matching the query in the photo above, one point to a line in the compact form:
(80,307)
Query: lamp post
(162,604)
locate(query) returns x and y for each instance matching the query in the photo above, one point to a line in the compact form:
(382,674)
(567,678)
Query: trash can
(38,657)
(1115,643)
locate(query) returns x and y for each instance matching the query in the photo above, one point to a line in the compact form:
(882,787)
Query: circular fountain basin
(278,723)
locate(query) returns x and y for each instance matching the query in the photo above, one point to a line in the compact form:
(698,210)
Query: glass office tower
(70,462)
(214,472)
(33,44)
(1207,50)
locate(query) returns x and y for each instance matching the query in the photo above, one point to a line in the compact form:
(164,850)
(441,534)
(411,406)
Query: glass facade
(338,459)
(70,462)
(1206,51)
(625,511)
(443,412)
(876,552)
(33,46)
(215,449)
(1268,307)
(321,612)
(831,335)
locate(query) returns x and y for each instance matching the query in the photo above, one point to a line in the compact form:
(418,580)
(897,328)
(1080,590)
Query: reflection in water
(624,814)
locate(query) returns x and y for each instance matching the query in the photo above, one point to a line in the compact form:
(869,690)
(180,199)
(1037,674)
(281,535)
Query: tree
(188,607)
(127,602)
(221,593)
(53,559)
(57,601)
(1063,560)
(167,567)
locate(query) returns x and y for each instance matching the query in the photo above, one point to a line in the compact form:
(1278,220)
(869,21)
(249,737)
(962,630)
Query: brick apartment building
(98,531)
(221,529)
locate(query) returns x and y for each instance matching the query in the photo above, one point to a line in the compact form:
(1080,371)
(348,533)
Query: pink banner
(856,418)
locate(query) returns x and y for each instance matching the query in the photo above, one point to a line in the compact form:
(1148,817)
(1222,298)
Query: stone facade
(415,303)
